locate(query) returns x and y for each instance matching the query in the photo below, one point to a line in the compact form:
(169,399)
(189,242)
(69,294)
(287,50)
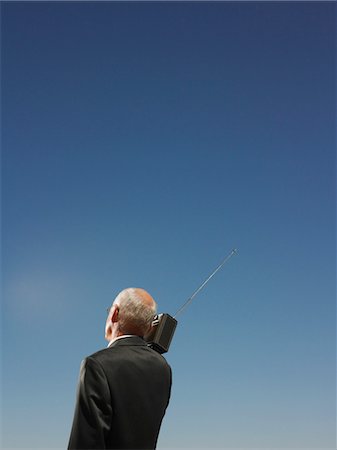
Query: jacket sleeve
(93,410)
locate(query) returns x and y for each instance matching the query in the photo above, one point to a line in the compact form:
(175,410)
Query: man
(123,390)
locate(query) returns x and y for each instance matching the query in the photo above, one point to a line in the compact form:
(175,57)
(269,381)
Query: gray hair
(135,315)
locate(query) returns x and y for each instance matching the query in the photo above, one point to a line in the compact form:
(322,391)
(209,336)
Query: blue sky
(141,143)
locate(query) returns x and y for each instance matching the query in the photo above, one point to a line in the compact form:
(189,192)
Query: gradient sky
(141,143)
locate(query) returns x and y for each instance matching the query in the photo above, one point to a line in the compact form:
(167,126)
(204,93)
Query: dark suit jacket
(122,395)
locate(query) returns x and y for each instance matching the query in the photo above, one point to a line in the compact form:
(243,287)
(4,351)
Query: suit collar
(120,337)
(129,340)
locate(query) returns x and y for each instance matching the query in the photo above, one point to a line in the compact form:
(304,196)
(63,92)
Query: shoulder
(159,357)
(100,356)
(119,353)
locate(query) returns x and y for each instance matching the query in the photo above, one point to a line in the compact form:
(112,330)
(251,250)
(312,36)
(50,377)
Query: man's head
(131,313)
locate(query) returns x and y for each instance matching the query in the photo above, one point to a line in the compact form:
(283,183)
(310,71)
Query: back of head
(136,311)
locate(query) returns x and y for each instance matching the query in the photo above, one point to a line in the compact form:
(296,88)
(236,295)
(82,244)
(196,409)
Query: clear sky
(141,143)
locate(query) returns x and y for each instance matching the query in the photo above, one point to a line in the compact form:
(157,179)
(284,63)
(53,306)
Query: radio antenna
(190,299)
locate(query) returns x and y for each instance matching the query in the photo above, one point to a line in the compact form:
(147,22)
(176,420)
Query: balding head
(131,313)
(143,295)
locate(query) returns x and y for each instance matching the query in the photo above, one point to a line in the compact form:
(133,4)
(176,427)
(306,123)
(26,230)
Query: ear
(114,315)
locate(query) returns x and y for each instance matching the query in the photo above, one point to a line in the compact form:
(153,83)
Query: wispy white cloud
(37,292)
